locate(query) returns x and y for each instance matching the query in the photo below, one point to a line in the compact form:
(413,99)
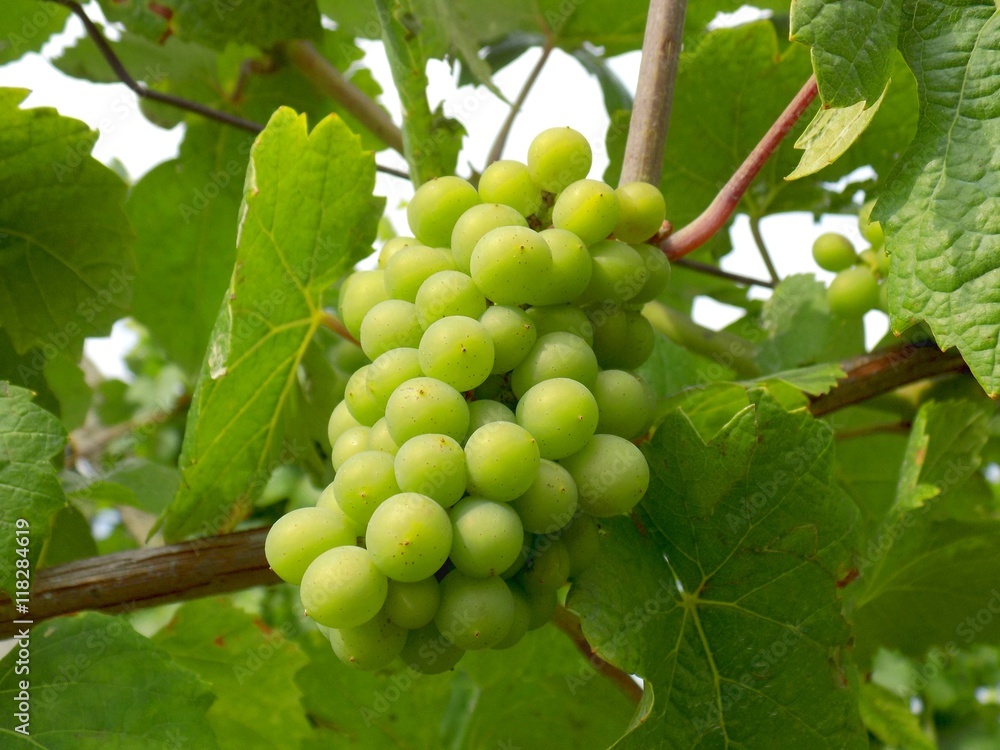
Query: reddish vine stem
(713,218)
(569,623)
(333,323)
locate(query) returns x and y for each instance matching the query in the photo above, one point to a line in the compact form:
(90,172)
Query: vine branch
(569,623)
(501,140)
(758,239)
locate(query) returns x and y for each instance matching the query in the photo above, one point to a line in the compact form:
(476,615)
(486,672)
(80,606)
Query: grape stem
(710,270)
(712,219)
(333,323)
(569,623)
(501,140)
(723,347)
(758,239)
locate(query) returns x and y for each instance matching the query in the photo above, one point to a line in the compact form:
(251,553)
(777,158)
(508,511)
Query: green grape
(389,371)
(379,438)
(555,355)
(433,465)
(871,230)
(448,293)
(391,324)
(475,613)
(393,246)
(547,568)
(409,536)
(588,209)
(626,403)
(623,339)
(619,273)
(509,183)
(343,588)
(347,356)
(458,351)
(571,266)
(352,441)
(513,335)
(522,557)
(501,461)
(371,645)
(558,157)
(359,293)
(550,502)
(853,292)
(611,475)
(437,206)
(483,411)
(341,420)
(412,266)
(834,252)
(474,224)
(583,542)
(543,605)
(641,211)
(877,260)
(658,270)
(412,605)
(486,537)
(422,405)
(522,619)
(511,265)
(363,482)
(362,405)
(299,537)
(565,318)
(494,387)
(428,652)
(560,413)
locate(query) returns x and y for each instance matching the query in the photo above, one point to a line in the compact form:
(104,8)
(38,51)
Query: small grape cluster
(494,420)
(856,288)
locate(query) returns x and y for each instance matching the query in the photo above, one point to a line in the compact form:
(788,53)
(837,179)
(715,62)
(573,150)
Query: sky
(564,94)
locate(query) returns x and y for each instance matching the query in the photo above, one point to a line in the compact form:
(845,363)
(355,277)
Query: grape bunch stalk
(492,424)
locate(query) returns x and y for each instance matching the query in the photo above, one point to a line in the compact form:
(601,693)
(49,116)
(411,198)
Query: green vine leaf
(27,25)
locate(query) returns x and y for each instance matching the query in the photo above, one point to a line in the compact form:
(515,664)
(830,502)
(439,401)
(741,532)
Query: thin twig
(711,270)
(497,150)
(713,218)
(333,323)
(758,238)
(569,623)
(654,95)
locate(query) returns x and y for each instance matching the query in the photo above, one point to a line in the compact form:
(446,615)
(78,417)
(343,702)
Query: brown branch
(711,270)
(713,218)
(501,140)
(647,132)
(569,623)
(333,323)
(758,239)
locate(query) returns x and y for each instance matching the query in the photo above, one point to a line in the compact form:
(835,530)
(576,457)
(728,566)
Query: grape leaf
(852,43)
(65,243)
(732,615)
(940,207)
(27,25)
(308,215)
(890,719)
(247,664)
(95,683)
(29,438)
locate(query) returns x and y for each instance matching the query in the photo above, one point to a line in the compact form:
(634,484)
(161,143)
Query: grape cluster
(493,420)
(856,288)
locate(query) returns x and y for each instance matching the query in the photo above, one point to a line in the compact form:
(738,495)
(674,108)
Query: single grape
(853,292)
(412,605)
(522,557)
(409,536)
(436,207)
(572,267)
(458,351)
(412,266)
(299,537)
(475,613)
(343,588)
(543,605)
(560,413)
(522,618)
(550,502)
(428,652)
(362,405)
(379,438)
(588,209)
(347,356)
(834,252)
(363,482)
(501,461)
(877,260)
(555,355)
(565,318)
(558,157)
(626,404)
(433,465)
(341,420)
(513,335)
(448,293)
(352,441)
(371,645)
(483,411)
(619,274)
(583,542)
(280,485)
(359,293)
(611,475)
(393,246)
(509,183)
(641,211)
(423,405)
(547,568)
(658,269)
(390,324)
(389,371)
(871,230)
(623,339)
(511,265)
(475,223)
(486,537)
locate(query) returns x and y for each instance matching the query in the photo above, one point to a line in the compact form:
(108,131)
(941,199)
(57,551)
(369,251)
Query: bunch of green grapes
(492,422)
(856,288)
